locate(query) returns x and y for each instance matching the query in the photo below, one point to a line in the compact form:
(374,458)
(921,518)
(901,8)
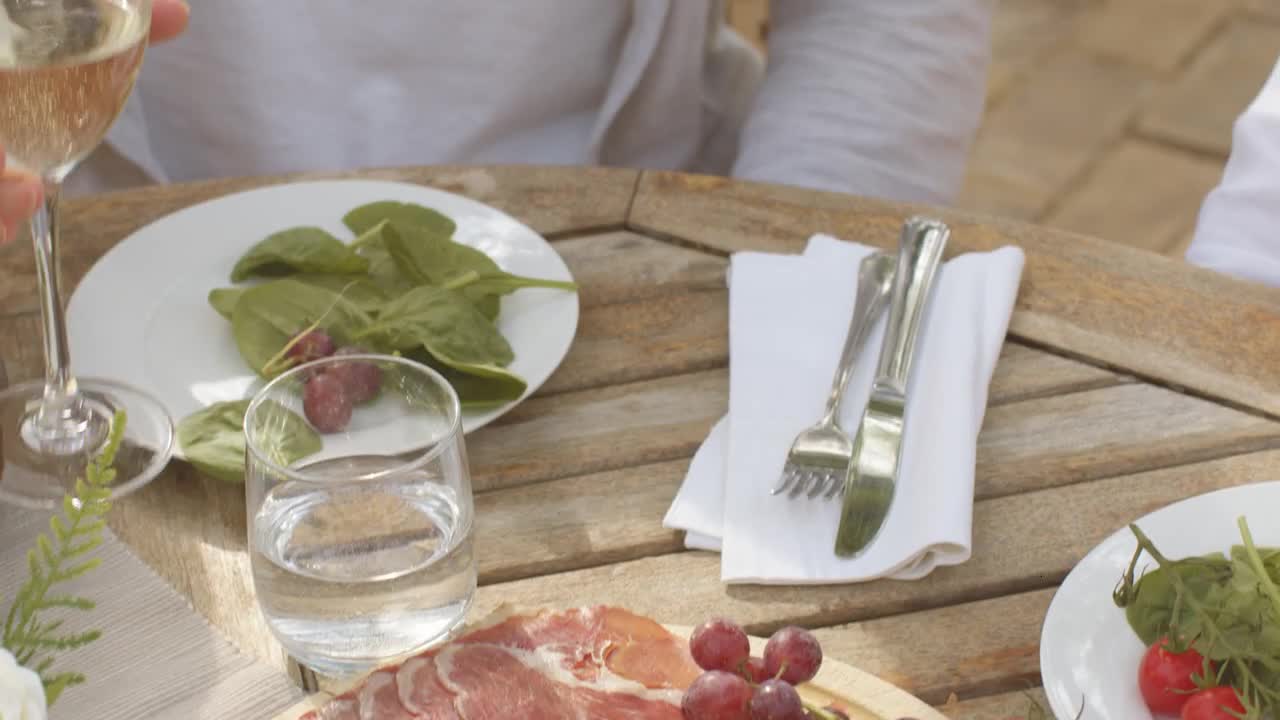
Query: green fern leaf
(58,557)
(68,601)
(76,571)
(59,529)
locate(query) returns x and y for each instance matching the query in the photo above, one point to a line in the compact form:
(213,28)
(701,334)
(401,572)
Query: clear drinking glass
(361,549)
(66,69)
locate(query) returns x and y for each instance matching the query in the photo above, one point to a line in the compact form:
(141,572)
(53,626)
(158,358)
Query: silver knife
(877,452)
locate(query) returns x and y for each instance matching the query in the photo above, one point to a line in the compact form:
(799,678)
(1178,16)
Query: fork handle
(919,254)
(873,278)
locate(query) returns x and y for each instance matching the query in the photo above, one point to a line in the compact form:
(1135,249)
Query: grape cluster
(740,686)
(331,393)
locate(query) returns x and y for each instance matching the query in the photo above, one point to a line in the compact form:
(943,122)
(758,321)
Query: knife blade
(872,476)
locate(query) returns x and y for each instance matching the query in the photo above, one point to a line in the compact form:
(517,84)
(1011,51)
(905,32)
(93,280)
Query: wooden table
(1128,381)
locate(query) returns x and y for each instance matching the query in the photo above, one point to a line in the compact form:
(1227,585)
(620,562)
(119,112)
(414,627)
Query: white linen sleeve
(1238,231)
(873,97)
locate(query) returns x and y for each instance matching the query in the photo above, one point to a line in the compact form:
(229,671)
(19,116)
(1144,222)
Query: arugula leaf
(301,249)
(212,439)
(224,299)
(268,316)
(366,217)
(448,326)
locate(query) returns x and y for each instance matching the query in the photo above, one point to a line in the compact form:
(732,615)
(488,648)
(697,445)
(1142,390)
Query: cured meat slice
(495,682)
(380,698)
(591,663)
(421,692)
(345,707)
(630,645)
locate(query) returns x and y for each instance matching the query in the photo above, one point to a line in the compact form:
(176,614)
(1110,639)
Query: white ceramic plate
(1088,653)
(141,314)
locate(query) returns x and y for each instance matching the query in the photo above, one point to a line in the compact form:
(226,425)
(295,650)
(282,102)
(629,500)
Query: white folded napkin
(788,317)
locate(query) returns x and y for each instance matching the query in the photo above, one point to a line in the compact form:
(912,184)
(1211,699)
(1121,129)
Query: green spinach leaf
(213,438)
(364,218)
(443,322)
(301,249)
(224,299)
(484,386)
(427,257)
(357,289)
(268,316)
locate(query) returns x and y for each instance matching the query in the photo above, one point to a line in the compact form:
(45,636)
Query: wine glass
(66,69)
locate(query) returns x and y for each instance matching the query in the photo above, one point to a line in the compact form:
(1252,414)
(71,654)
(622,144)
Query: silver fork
(819,456)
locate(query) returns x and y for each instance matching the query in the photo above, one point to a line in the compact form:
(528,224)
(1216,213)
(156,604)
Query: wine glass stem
(62,416)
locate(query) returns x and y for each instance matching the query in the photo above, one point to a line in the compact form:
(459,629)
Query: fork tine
(836,489)
(784,480)
(798,485)
(820,483)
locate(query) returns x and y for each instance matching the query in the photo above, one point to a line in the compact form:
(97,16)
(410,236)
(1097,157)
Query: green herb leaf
(366,217)
(449,327)
(224,300)
(481,386)
(213,438)
(268,316)
(33,639)
(302,249)
(359,290)
(426,257)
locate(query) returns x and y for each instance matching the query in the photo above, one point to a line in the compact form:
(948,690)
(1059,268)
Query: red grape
(717,695)
(795,653)
(361,378)
(311,346)
(326,404)
(719,644)
(776,700)
(753,670)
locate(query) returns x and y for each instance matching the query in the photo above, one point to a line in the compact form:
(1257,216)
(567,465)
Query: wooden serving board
(862,695)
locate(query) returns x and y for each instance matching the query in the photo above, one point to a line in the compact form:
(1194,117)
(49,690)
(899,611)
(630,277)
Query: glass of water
(361,535)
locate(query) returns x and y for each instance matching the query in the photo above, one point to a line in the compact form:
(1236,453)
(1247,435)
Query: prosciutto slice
(600,662)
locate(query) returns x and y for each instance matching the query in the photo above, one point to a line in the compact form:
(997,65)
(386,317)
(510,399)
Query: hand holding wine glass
(66,69)
(20,192)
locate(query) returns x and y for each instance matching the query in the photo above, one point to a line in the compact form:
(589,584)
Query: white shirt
(865,96)
(1238,232)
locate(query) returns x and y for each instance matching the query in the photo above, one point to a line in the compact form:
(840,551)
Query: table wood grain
(1129,381)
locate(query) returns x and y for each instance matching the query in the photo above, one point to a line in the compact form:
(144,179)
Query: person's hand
(20,193)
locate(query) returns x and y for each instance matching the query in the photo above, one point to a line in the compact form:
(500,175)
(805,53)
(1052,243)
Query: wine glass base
(37,473)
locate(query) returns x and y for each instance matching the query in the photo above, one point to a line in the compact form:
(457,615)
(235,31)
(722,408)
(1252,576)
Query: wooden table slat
(1114,304)
(1022,542)
(972,649)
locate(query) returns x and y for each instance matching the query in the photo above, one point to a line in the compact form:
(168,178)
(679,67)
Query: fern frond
(68,601)
(74,571)
(53,686)
(60,556)
(44,641)
(75,551)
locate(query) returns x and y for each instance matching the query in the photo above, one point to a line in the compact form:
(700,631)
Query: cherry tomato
(1212,704)
(1165,677)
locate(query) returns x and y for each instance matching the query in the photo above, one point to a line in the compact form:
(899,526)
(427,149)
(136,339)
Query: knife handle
(919,255)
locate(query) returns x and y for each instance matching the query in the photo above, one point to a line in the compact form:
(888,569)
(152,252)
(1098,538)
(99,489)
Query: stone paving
(1109,117)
